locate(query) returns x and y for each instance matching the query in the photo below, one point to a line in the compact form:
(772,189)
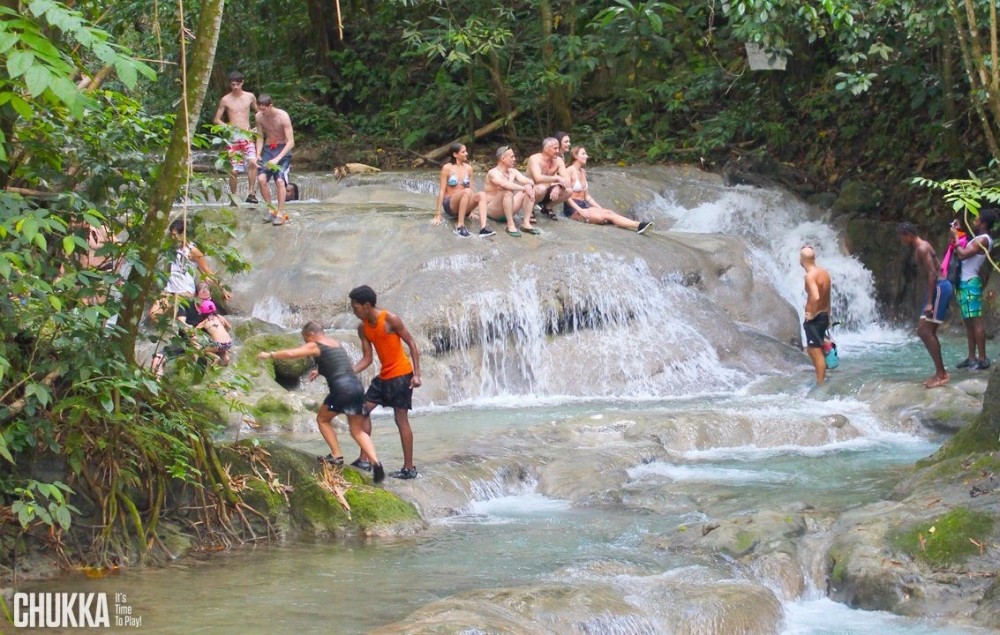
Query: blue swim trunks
(942,293)
(284,165)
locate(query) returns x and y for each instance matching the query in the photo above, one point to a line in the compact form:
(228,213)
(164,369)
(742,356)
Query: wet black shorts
(347,395)
(391,393)
(816,330)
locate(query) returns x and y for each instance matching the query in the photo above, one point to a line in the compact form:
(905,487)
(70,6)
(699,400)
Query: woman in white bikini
(582,207)
(458,192)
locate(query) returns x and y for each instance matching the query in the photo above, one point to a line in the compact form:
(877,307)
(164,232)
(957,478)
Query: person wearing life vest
(398,376)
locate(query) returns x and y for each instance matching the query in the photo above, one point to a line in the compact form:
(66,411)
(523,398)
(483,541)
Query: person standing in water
(817,310)
(346,393)
(235,106)
(274,147)
(935,307)
(398,376)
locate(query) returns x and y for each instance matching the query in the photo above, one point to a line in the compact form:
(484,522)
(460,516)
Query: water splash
(776,226)
(270,309)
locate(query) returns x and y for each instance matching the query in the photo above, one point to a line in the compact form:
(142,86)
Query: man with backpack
(975,274)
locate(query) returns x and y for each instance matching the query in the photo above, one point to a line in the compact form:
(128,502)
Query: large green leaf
(37,80)
(19,62)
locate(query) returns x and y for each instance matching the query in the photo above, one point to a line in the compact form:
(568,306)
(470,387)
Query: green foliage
(31,504)
(947,540)
(965,196)
(40,72)
(69,396)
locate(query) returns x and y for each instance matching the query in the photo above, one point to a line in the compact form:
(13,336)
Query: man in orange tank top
(393,388)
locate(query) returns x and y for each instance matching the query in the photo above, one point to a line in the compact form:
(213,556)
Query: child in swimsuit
(218,329)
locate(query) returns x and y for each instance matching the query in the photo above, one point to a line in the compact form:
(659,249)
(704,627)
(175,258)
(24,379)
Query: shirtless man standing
(817,311)
(274,146)
(507,190)
(548,171)
(935,308)
(236,106)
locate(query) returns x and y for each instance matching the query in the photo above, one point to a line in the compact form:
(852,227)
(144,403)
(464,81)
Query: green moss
(372,506)
(247,362)
(261,497)
(745,541)
(310,508)
(949,543)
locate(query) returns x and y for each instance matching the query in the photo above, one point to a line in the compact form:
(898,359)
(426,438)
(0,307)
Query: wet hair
(363,295)
(575,150)
(988,216)
(906,229)
(236,76)
(559,136)
(454,149)
(312,327)
(176,226)
(547,140)
(265,100)
(502,150)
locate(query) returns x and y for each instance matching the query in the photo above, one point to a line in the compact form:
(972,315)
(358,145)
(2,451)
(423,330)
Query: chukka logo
(61,610)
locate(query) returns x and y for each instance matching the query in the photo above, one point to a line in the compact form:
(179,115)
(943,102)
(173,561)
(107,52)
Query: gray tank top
(333,363)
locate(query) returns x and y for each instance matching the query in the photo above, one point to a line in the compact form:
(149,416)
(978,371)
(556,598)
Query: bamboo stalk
(340,23)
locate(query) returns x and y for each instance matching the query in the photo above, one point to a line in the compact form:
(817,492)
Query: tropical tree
(76,160)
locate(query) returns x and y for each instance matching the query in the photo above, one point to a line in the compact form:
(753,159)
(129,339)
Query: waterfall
(776,226)
(621,332)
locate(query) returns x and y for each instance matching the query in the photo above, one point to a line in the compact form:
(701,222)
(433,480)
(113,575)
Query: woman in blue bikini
(458,192)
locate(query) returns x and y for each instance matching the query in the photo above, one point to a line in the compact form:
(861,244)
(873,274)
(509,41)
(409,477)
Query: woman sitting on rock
(582,207)
(458,192)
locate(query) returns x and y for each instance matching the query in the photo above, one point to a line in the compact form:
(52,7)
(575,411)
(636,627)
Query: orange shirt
(389,347)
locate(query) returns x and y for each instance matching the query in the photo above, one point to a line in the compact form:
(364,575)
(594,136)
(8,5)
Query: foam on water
(826,617)
(707,474)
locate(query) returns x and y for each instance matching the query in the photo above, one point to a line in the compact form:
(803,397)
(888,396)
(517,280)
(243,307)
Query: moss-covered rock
(252,327)
(295,502)
(284,371)
(946,540)
(271,409)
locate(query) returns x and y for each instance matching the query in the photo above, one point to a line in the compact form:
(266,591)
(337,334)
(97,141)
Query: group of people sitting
(507,192)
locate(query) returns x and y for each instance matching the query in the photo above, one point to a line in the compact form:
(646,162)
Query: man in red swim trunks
(235,106)
(398,376)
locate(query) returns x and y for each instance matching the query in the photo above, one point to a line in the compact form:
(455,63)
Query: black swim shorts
(391,393)
(347,395)
(816,330)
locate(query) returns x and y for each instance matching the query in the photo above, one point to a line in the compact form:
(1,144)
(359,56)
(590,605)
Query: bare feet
(936,381)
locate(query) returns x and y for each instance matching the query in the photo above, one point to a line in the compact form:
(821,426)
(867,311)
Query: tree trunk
(951,140)
(980,79)
(502,92)
(557,94)
(149,235)
(436,154)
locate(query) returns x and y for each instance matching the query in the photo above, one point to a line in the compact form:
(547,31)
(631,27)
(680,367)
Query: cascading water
(626,332)
(776,225)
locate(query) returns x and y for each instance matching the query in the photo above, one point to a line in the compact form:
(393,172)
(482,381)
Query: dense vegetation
(876,90)
(882,90)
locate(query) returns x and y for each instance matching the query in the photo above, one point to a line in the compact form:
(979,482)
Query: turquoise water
(511,538)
